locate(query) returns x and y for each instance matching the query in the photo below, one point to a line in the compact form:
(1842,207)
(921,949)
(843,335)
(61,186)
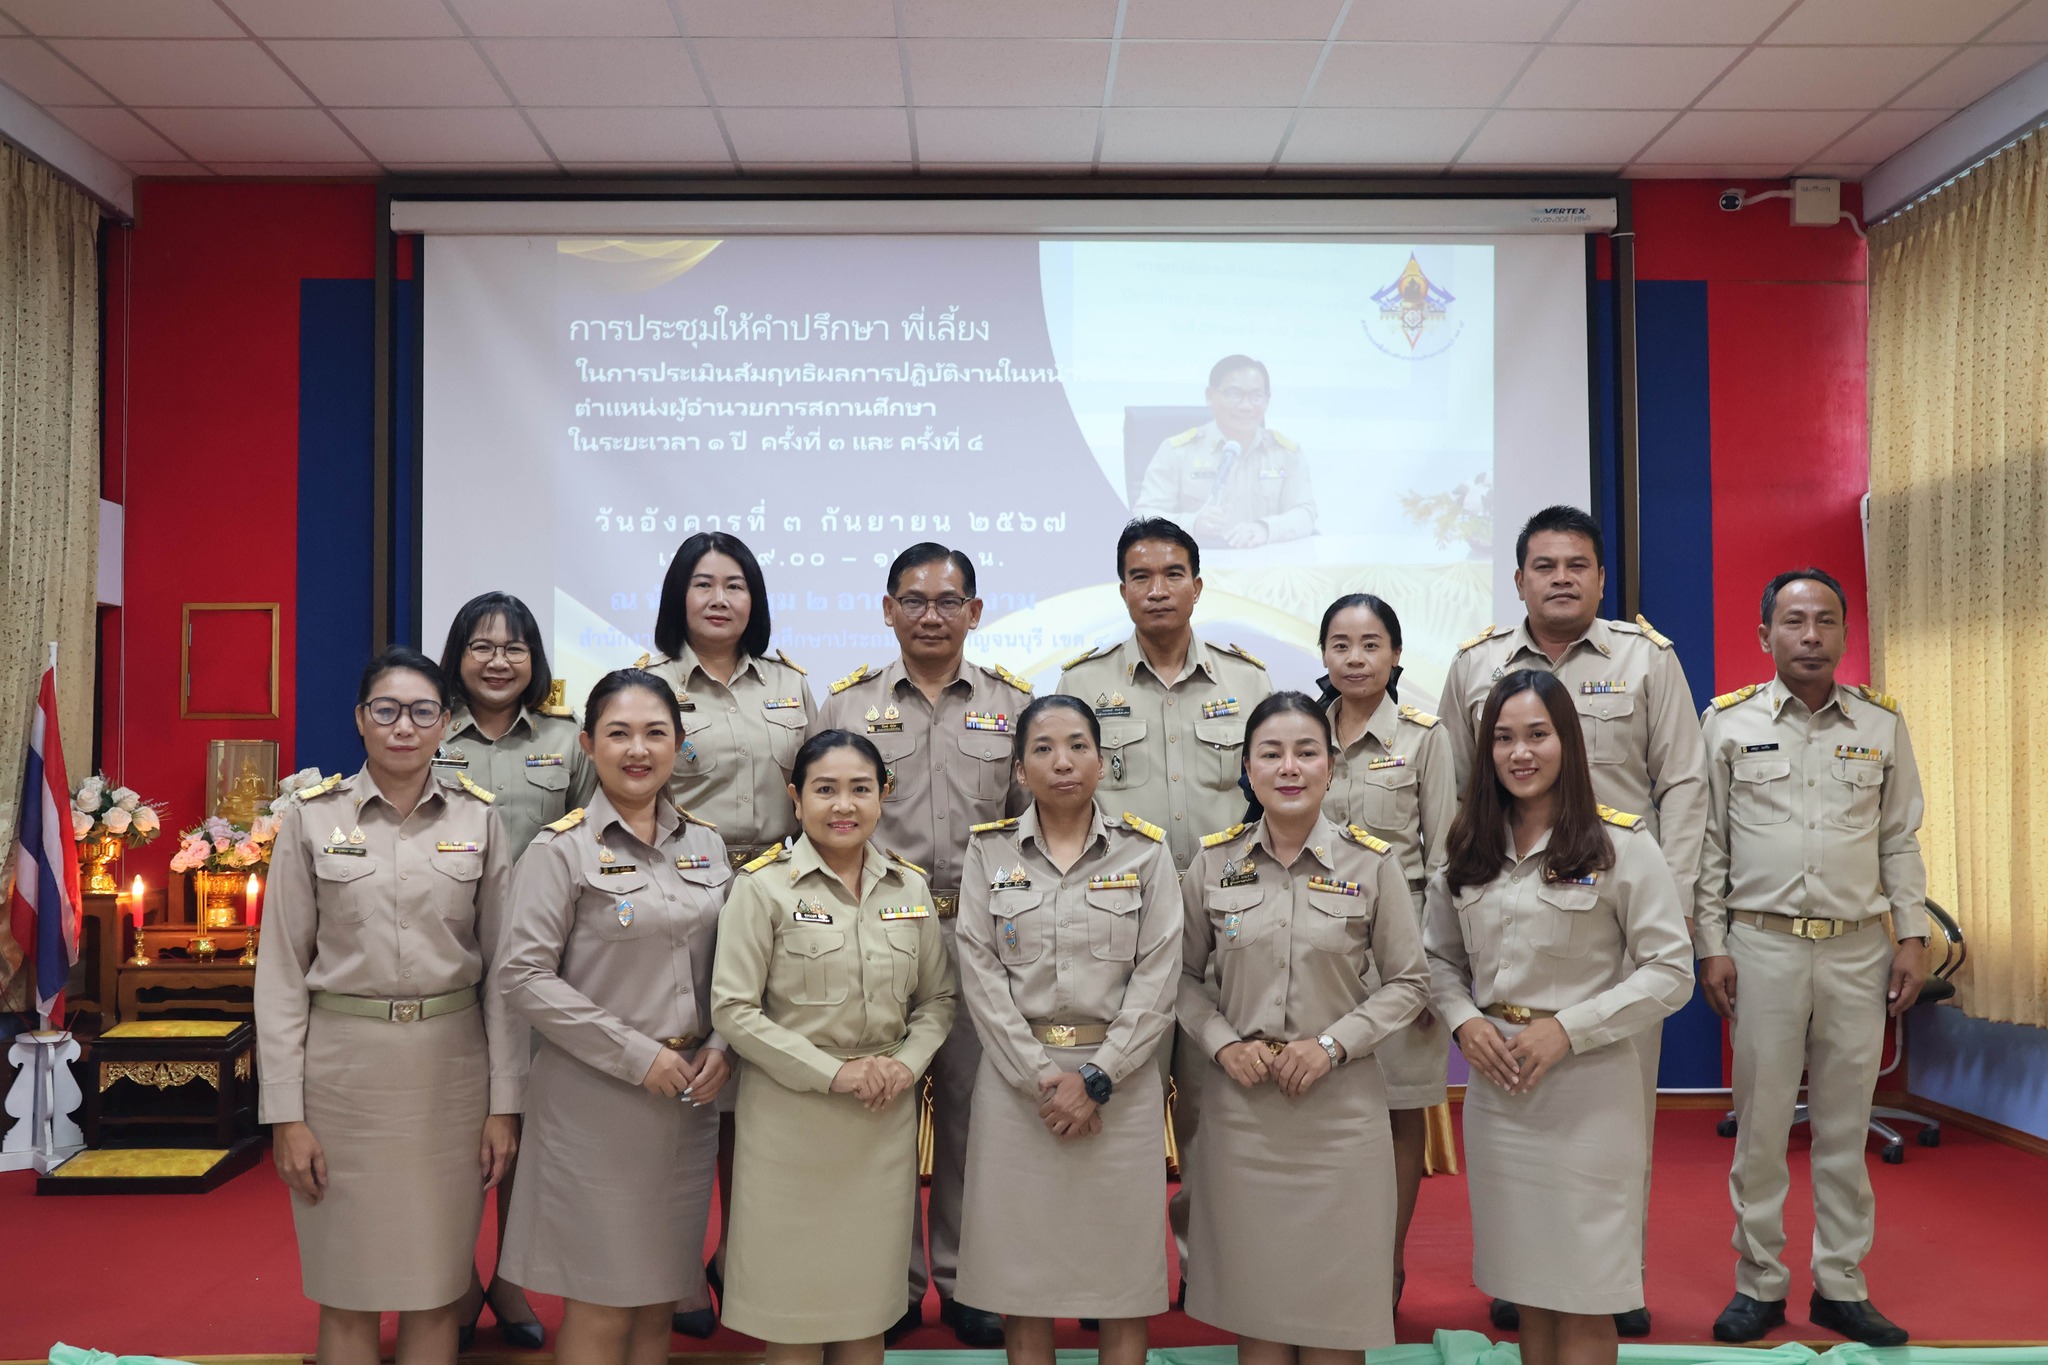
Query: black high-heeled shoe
(521,1336)
(465,1333)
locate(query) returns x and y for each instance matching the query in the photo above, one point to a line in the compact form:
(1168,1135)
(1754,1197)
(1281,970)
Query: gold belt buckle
(1272,1045)
(1059,1035)
(947,906)
(1809,928)
(406,1011)
(1516,1014)
(683,1044)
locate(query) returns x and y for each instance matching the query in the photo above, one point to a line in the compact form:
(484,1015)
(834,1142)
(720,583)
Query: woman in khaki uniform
(1555,934)
(614,912)
(1069,938)
(833,984)
(1292,1229)
(1392,774)
(391,1093)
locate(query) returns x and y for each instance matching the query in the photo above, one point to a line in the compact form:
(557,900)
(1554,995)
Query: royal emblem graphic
(1414,321)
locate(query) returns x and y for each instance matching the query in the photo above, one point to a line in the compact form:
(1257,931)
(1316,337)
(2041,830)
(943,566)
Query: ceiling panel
(1213,75)
(2029,24)
(1662,21)
(1889,21)
(985,72)
(1970,75)
(811,136)
(1881,134)
(198,72)
(782,19)
(581,72)
(1452,21)
(1607,136)
(801,72)
(555,19)
(1034,136)
(1707,136)
(414,73)
(1379,137)
(980,19)
(445,136)
(1233,137)
(1821,77)
(1231,19)
(648,136)
(1775,170)
(1418,75)
(354,19)
(35,71)
(187,169)
(118,133)
(256,135)
(1577,77)
(123,18)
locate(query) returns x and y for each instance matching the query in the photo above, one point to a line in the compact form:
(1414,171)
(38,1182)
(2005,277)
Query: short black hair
(406,659)
(520,620)
(930,552)
(1279,704)
(1156,528)
(1052,701)
(1230,364)
(1820,576)
(1566,519)
(624,680)
(671,620)
(824,742)
(1377,606)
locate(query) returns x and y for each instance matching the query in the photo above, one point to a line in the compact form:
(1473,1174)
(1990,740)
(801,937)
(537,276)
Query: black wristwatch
(1096,1081)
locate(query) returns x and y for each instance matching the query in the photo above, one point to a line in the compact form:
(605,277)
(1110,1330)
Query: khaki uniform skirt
(614,1190)
(1291,1237)
(1056,1229)
(1416,1060)
(399,1110)
(1556,1183)
(822,1190)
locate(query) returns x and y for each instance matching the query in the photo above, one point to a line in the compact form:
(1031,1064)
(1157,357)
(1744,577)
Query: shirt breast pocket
(345,888)
(1221,745)
(819,959)
(1113,924)
(1237,915)
(1607,720)
(1019,926)
(1760,791)
(1123,754)
(987,757)
(904,941)
(621,906)
(455,887)
(1564,923)
(1391,799)
(1857,788)
(896,750)
(1337,923)
(785,735)
(548,777)
(697,756)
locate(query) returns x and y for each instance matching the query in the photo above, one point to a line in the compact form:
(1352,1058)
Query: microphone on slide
(1226,457)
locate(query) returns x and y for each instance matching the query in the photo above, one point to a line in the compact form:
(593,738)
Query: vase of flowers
(106,819)
(222,855)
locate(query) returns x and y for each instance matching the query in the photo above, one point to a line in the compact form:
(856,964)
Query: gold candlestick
(248,957)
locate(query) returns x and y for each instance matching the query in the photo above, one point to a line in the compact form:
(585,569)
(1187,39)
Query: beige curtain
(49,477)
(1959,550)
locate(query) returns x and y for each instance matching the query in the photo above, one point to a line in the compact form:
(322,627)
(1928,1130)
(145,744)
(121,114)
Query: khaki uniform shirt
(949,765)
(739,745)
(1096,944)
(1813,813)
(1642,738)
(1611,959)
(1174,747)
(1268,483)
(536,769)
(1396,780)
(809,975)
(364,901)
(609,953)
(1293,945)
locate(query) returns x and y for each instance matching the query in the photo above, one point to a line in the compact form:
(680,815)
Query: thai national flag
(43,912)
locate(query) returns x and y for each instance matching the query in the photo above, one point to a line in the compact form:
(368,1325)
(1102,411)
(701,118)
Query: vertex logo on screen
(1553,212)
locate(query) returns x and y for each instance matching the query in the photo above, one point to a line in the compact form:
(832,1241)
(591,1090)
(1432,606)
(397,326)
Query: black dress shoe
(1634,1323)
(1856,1320)
(1504,1316)
(715,1277)
(698,1322)
(1090,1324)
(523,1336)
(977,1329)
(912,1319)
(1747,1319)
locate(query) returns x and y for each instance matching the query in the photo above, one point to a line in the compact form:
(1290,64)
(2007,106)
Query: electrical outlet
(1816,203)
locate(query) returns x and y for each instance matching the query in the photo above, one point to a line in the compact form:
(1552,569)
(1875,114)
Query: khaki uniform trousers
(952,1075)
(1817,1007)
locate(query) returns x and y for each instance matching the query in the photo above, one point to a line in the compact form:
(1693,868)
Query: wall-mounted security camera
(1731,200)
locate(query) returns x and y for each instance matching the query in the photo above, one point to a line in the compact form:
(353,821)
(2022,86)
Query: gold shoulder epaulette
(1222,836)
(989,826)
(1728,699)
(792,663)
(695,819)
(906,862)
(1619,817)
(1361,835)
(322,787)
(643,661)
(1083,657)
(771,856)
(1652,634)
(1481,638)
(557,703)
(1241,652)
(1877,698)
(474,790)
(1011,678)
(1190,434)
(567,822)
(1284,442)
(1145,827)
(849,680)
(1418,715)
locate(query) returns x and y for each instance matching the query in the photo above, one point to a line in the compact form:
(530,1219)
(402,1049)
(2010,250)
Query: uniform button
(1169,701)
(1176,815)
(1173,739)
(406,972)
(743,748)
(402,837)
(1283,924)
(733,710)
(942,815)
(1809,782)
(1176,777)
(405,924)
(405,876)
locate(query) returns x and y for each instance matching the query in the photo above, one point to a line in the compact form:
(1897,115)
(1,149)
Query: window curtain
(1959,551)
(49,478)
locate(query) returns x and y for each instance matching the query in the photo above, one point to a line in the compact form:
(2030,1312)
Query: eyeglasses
(385,711)
(1252,397)
(916,607)
(483,651)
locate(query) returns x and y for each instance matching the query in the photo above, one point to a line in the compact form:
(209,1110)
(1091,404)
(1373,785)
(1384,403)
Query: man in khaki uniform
(944,727)
(1172,709)
(1642,741)
(1233,481)
(1812,838)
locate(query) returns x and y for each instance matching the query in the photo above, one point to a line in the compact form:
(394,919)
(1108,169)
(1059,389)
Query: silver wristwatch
(1329,1045)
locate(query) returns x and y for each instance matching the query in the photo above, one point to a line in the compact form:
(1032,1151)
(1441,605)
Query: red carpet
(1957,1259)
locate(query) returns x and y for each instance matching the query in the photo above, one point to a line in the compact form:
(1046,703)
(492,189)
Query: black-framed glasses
(1250,397)
(385,711)
(916,606)
(483,651)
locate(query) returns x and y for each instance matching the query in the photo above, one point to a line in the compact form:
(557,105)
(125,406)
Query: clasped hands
(874,1081)
(1065,1109)
(1294,1067)
(1514,1064)
(675,1076)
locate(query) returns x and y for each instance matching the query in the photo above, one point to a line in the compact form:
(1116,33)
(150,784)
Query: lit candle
(135,897)
(252,902)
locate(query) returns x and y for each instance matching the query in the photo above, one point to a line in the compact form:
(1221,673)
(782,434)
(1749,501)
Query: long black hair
(519,619)
(625,679)
(1378,607)
(1579,846)
(671,620)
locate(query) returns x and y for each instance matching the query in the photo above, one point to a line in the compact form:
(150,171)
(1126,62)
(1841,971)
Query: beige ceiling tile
(204,72)
(1417,75)
(1888,21)
(1451,21)
(811,136)
(444,136)
(1235,75)
(1570,136)
(1191,136)
(980,19)
(1564,77)
(1773,170)
(1663,21)
(802,72)
(1230,19)
(118,133)
(1970,75)
(1821,77)
(788,18)
(123,18)
(2028,25)
(582,72)
(1882,134)
(347,19)
(555,19)
(969,71)
(1379,137)
(410,73)
(1003,136)
(1702,136)
(36,72)
(638,135)
(212,135)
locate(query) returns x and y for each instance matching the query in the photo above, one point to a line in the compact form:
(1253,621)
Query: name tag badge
(1770,748)
(896,912)
(1122,881)
(1603,687)
(1240,874)
(807,913)
(887,722)
(451,758)
(1391,761)
(691,861)
(1858,752)
(1112,704)
(543,760)
(1335,888)
(616,869)
(346,851)
(1221,706)
(451,846)
(988,720)
(1590,879)
(781,704)
(1018,880)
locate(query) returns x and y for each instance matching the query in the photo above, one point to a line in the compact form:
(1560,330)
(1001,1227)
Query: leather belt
(1518,1014)
(1802,926)
(397,1011)
(948,906)
(1070,1035)
(687,1043)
